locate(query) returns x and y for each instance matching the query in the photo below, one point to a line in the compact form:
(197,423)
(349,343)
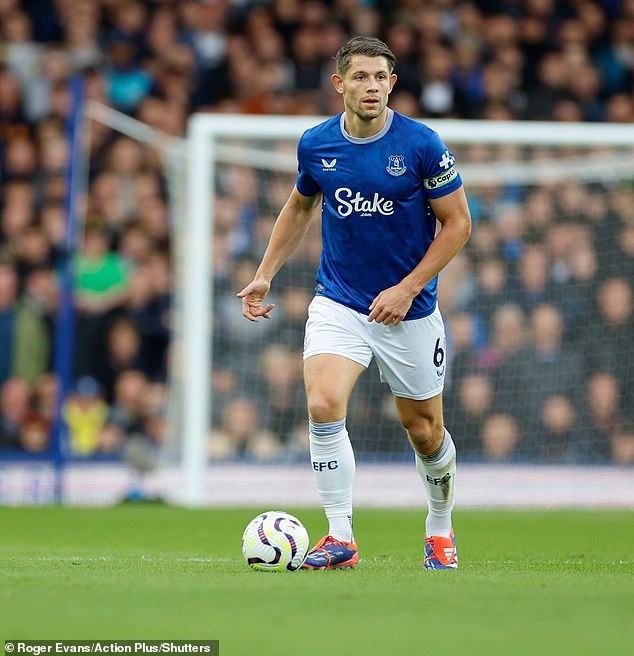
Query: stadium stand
(517,305)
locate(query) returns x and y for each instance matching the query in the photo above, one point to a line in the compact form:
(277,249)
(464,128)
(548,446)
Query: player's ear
(393,78)
(337,82)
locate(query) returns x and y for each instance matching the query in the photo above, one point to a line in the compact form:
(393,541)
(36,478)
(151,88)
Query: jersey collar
(364,140)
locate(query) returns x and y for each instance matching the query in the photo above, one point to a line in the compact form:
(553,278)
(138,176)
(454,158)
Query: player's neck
(359,129)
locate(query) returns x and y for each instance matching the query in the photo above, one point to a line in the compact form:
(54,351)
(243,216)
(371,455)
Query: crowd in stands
(539,308)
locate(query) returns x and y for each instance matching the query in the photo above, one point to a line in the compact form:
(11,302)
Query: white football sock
(438,473)
(332,460)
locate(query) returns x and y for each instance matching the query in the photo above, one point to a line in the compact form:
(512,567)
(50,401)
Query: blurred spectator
(155,403)
(508,337)
(149,307)
(534,287)
(135,244)
(24,339)
(474,404)
(153,217)
(603,400)
(230,327)
(80,20)
(41,293)
(13,121)
(135,424)
(282,391)
(20,158)
(623,445)
(126,418)
(559,431)
(101,285)
(125,161)
(614,58)
(52,221)
(242,433)
(34,434)
(45,397)
(121,350)
(204,31)
(225,386)
(22,55)
(15,398)
(575,286)
(401,36)
(462,329)
(539,206)
(15,218)
(85,413)
(492,289)
(549,87)
(32,252)
(547,368)
(307,59)
(616,235)
(500,437)
(612,334)
(437,96)
(294,302)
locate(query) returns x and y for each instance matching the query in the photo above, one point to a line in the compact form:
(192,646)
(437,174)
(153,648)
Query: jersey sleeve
(305,183)
(440,176)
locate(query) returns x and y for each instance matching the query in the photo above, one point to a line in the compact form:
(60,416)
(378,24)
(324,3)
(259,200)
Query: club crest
(396,165)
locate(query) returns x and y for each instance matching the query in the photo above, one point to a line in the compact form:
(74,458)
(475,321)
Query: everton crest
(396,165)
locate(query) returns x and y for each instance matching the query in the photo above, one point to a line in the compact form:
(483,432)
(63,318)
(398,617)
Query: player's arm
(290,228)
(452,211)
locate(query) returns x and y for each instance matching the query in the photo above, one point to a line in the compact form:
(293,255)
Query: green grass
(531,583)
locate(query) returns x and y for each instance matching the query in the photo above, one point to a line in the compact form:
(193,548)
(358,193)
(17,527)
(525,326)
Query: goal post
(546,153)
(196,313)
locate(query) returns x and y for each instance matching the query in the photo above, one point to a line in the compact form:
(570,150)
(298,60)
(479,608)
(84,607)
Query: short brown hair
(363,45)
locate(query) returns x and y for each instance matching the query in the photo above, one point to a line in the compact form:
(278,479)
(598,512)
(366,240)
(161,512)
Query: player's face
(365,86)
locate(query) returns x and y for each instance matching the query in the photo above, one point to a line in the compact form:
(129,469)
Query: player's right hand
(253,298)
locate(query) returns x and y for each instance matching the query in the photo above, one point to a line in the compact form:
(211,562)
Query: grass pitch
(559,583)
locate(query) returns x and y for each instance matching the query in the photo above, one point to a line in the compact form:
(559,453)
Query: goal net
(538,311)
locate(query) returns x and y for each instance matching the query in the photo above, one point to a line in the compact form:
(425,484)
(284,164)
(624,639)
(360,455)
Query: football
(275,541)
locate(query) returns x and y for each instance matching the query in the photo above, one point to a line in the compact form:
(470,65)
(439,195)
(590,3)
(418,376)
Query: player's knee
(425,434)
(325,407)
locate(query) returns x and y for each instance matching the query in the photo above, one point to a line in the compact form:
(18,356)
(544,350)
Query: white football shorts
(411,356)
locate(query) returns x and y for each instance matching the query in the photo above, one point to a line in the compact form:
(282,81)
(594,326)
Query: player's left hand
(390,306)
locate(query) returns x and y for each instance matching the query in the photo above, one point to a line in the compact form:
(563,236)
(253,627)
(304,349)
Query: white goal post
(207,149)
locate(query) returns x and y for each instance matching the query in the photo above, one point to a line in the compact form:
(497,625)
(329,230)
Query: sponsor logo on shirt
(329,165)
(441,180)
(350,201)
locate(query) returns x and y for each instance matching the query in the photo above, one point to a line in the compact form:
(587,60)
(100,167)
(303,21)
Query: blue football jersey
(377,223)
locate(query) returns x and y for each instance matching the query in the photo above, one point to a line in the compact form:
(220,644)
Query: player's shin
(438,473)
(332,460)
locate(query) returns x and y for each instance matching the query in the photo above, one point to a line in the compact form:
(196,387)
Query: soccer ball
(275,542)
